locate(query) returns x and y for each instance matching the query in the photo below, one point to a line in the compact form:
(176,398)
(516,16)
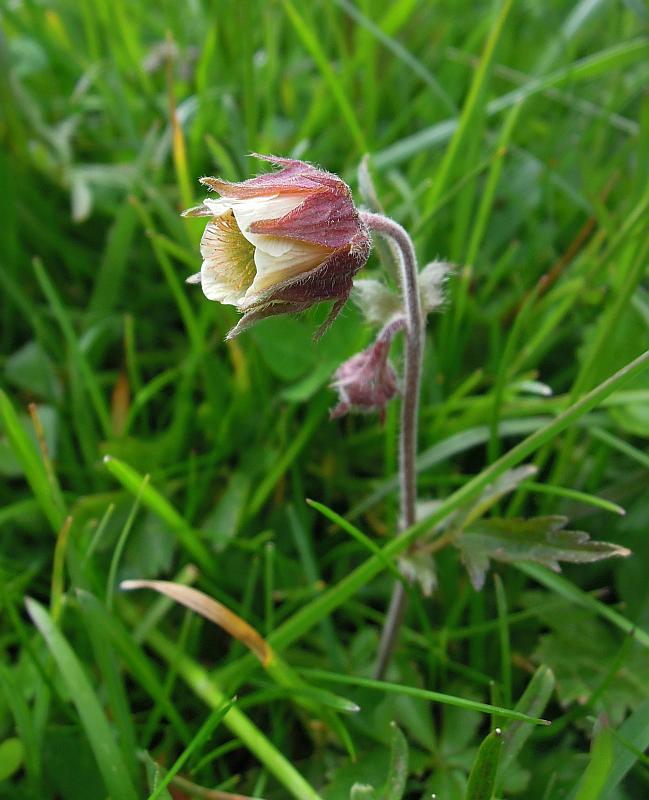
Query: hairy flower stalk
(414,329)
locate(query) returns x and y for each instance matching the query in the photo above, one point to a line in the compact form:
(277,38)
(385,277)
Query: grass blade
(205,687)
(358,535)
(533,702)
(201,737)
(399,51)
(152,499)
(593,781)
(398,770)
(584,69)
(631,740)
(32,466)
(482,780)
(470,111)
(310,40)
(100,736)
(505,645)
(24,726)
(425,694)
(85,375)
(96,615)
(574,494)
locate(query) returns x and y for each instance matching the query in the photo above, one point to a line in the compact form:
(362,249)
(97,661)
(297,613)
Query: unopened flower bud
(367,382)
(280,242)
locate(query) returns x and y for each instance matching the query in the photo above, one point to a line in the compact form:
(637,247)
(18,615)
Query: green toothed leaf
(544,540)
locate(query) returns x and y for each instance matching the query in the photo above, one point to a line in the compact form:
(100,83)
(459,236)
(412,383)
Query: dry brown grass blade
(194,790)
(211,609)
(120,404)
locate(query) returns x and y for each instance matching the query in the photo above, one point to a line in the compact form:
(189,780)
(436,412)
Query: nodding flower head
(280,242)
(366,382)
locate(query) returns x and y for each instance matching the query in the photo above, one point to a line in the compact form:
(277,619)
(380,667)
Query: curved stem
(394,232)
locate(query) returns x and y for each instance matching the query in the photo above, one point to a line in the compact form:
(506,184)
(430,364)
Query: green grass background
(511,138)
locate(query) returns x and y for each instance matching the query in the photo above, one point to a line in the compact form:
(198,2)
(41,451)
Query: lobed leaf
(541,539)
(596,670)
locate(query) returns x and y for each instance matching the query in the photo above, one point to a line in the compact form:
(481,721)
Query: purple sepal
(294,177)
(325,218)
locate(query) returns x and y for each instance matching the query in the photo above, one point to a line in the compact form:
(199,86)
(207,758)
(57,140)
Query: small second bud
(367,382)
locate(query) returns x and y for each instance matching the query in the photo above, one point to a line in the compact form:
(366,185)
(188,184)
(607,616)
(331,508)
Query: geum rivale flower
(280,242)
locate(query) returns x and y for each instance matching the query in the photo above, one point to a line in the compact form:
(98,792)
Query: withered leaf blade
(211,609)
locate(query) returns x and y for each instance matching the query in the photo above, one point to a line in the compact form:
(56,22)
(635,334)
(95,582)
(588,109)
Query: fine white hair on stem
(414,328)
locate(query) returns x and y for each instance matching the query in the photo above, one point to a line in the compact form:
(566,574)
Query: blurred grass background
(511,138)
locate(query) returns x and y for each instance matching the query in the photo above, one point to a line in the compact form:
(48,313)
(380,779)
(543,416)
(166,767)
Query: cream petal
(254,209)
(276,259)
(228,267)
(214,288)
(217,207)
(297,258)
